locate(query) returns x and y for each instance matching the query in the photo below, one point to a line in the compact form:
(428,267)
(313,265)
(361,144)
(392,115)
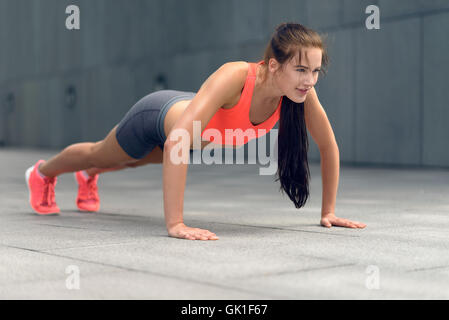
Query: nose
(309,81)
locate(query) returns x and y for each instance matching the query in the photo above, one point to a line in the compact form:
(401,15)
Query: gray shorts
(142,128)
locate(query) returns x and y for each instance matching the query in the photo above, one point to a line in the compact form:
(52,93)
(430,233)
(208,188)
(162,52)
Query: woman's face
(299,75)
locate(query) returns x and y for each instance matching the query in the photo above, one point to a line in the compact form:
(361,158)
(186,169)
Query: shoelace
(91,189)
(48,197)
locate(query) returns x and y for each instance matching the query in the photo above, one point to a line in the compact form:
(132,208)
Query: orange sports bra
(236,119)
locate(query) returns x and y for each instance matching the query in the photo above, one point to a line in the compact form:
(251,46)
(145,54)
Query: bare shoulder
(237,72)
(217,90)
(225,83)
(241,66)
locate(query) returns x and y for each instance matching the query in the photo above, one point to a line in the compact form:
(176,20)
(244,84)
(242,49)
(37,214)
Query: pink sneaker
(87,199)
(41,191)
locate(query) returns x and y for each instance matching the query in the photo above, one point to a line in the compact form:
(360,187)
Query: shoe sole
(79,209)
(27,177)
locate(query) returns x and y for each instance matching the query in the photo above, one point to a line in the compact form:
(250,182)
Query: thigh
(108,153)
(142,128)
(155,156)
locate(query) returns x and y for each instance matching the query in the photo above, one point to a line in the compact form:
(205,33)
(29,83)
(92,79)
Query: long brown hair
(293,169)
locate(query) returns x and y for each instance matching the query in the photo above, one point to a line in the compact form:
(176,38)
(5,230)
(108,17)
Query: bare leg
(155,156)
(93,171)
(104,154)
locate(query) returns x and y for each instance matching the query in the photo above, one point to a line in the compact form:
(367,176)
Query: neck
(265,85)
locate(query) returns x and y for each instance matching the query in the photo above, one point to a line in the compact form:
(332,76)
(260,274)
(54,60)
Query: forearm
(330,169)
(174,181)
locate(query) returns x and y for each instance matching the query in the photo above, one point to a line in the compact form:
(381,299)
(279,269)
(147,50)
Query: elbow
(176,153)
(333,147)
(168,145)
(177,141)
(168,142)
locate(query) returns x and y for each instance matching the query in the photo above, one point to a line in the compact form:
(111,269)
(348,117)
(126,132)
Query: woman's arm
(220,88)
(321,131)
(330,169)
(174,181)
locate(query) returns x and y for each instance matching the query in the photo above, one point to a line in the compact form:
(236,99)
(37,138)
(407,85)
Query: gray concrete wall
(385,93)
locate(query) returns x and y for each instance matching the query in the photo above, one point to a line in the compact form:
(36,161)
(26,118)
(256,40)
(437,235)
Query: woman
(237,95)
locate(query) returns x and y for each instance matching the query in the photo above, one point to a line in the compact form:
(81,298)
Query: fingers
(360,225)
(356,224)
(199,234)
(347,223)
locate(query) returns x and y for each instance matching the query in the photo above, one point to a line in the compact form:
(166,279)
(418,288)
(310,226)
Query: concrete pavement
(267,248)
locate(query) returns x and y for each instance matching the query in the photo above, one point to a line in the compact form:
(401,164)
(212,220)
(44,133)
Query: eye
(301,70)
(317,70)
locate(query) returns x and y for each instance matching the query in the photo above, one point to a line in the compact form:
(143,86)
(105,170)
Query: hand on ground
(330,220)
(184,232)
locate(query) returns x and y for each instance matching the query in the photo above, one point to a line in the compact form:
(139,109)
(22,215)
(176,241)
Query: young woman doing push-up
(237,95)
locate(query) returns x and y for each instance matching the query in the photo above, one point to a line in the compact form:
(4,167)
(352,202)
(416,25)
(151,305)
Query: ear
(273,65)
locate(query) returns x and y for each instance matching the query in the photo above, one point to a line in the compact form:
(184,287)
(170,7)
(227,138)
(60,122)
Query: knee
(132,165)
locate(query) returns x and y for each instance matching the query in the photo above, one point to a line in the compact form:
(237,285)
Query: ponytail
(293,169)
